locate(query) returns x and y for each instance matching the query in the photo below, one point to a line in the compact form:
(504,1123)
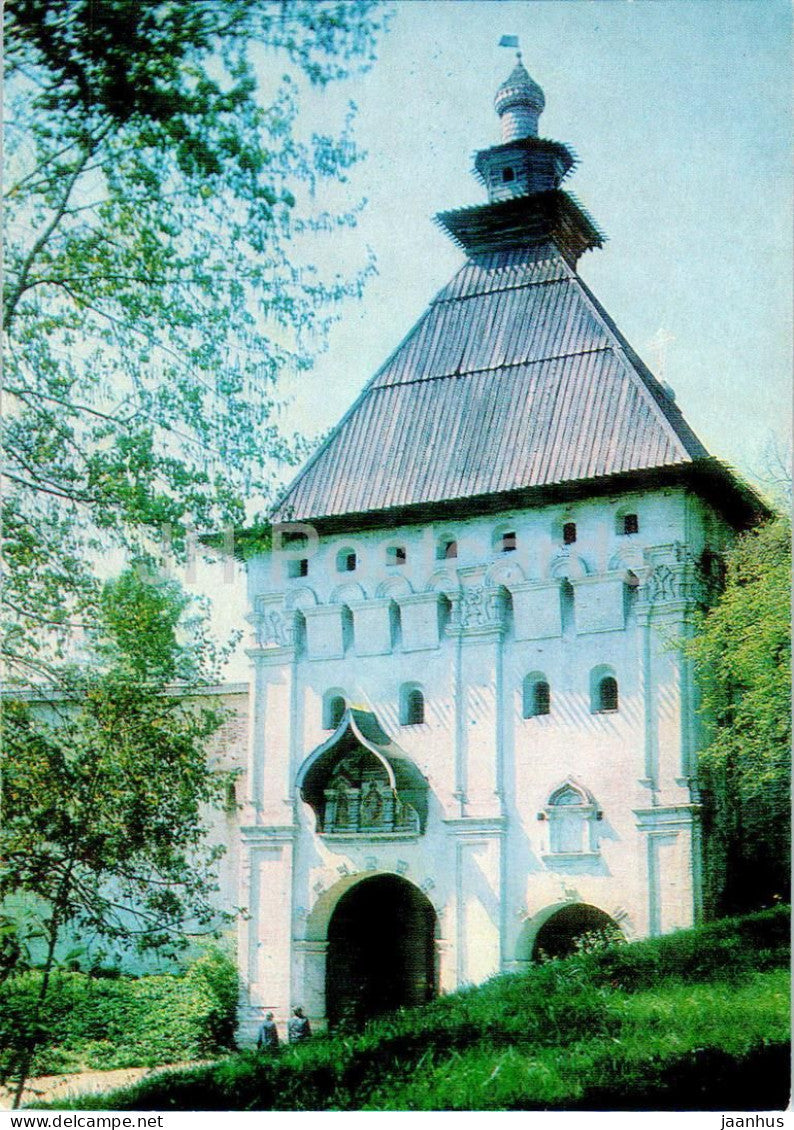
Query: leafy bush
(97,1023)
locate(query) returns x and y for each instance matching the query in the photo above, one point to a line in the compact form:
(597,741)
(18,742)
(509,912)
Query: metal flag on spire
(510,41)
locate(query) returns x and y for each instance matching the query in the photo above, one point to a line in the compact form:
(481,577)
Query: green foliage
(676,1022)
(742,657)
(160,223)
(106,791)
(96,1023)
(106,785)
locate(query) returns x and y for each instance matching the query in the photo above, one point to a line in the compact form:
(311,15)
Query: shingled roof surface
(515,377)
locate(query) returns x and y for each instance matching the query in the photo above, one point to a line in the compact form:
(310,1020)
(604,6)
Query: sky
(679,111)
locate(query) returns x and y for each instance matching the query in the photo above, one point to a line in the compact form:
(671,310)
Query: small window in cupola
(508,174)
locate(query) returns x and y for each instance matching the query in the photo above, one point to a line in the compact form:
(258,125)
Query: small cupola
(522,164)
(522,175)
(519,103)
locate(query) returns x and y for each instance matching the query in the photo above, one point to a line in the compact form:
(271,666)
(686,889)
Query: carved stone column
(274,710)
(665,603)
(478,620)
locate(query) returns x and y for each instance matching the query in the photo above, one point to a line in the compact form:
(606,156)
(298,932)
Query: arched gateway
(381,952)
(559,935)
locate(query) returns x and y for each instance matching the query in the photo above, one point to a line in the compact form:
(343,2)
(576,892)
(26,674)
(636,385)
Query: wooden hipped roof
(515,377)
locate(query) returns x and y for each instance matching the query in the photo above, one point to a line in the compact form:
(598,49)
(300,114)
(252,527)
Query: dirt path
(53,1088)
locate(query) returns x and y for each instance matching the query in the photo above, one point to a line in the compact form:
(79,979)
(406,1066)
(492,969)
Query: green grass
(639,1032)
(695,1020)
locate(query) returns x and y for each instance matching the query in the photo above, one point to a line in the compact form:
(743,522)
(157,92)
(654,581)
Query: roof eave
(738,502)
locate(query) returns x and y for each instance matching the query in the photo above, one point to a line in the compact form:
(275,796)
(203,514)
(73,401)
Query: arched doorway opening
(560,935)
(381,952)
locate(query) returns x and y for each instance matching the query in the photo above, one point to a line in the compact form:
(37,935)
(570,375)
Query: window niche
(444,615)
(334,706)
(631,587)
(567,609)
(346,561)
(300,635)
(396,555)
(412,705)
(395,626)
(348,630)
(298,568)
(572,813)
(446,549)
(603,691)
(536,696)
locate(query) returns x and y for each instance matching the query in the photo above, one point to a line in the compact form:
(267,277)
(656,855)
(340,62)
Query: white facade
(499,854)
(473,733)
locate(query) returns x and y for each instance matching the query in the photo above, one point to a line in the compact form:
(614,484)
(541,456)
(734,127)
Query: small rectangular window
(631,524)
(345,561)
(396,555)
(569,533)
(299,568)
(509,542)
(446,550)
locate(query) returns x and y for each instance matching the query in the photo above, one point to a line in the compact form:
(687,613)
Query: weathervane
(511,41)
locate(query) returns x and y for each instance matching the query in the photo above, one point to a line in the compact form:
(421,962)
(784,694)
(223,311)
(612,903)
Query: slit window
(567,609)
(569,533)
(444,614)
(395,626)
(396,555)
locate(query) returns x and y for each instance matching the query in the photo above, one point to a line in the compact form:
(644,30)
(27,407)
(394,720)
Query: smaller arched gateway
(566,928)
(381,950)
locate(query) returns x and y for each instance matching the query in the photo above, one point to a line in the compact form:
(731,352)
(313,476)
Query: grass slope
(697,1020)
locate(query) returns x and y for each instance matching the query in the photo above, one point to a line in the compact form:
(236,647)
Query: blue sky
(679,111)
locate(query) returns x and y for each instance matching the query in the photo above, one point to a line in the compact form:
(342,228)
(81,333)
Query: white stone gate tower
(472,735)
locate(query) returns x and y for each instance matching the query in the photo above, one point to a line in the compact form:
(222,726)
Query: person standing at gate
(298,1028)
(267,1040)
